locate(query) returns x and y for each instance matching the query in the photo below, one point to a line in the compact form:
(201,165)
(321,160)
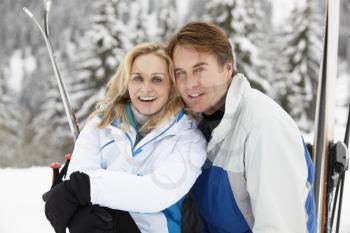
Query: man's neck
(219,106)
(210,122)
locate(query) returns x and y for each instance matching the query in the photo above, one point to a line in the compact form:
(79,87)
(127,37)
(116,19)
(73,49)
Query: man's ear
(229,69)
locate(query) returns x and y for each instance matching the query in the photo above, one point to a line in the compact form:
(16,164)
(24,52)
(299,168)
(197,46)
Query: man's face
(200,80)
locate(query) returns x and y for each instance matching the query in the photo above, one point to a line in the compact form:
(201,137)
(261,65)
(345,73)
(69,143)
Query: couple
(143,149)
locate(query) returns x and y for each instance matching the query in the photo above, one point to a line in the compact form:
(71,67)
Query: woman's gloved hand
(92,219)
(63,200)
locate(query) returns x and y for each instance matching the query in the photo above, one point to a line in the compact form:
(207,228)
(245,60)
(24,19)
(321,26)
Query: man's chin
(197,108)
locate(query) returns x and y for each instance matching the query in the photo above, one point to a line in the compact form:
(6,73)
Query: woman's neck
(138,116)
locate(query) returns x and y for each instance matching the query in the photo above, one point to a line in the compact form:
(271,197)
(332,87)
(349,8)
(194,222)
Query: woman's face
(149,84)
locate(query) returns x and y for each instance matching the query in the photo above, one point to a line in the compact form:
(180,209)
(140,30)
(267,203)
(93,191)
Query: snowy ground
(22,209)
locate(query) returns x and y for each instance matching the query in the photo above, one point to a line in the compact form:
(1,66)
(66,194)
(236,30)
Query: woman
(139,152)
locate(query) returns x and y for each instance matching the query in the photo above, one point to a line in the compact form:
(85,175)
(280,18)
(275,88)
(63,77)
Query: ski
(330,158)
(72,121)
(324,121)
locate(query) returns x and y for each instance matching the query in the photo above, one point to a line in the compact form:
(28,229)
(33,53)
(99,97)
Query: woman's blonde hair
(112,106)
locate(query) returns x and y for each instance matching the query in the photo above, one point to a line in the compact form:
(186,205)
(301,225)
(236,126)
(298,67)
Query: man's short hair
(204,37)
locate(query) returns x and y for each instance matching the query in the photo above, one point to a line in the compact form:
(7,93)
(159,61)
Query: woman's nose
(146,87)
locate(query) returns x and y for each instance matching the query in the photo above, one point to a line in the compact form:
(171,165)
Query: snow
(16,70)
(19,67)
(183,8)
(22,209)
(345,223)
(282,9)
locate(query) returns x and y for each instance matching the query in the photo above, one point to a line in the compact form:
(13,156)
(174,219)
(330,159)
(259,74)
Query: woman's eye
(137,78)
(157,79)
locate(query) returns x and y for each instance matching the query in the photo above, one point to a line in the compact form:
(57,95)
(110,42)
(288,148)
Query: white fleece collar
(238,86)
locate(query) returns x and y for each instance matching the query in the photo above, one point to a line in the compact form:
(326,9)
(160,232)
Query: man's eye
(200,69)
(180,74)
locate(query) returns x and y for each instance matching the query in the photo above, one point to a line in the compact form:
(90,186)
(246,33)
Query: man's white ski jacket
(259,175)
(148,179)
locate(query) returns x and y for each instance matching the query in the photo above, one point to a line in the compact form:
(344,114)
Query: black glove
(92,219)
(97,219)
(64,199)
(124,223)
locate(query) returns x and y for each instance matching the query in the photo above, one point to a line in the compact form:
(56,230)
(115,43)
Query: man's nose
(192,81)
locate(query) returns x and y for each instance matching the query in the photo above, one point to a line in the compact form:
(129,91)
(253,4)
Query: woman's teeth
(147,98)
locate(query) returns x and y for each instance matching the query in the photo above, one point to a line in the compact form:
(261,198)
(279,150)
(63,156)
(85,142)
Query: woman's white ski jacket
(148,179)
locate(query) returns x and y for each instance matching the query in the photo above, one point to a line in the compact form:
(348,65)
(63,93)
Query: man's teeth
(147,98)
(194,95)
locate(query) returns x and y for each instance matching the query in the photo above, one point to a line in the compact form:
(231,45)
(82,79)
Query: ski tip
(28,12)
(48,5)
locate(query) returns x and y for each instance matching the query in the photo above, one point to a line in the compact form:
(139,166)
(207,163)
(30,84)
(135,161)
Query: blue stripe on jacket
(310,201)
(173,217)
(216,204)
(218,208)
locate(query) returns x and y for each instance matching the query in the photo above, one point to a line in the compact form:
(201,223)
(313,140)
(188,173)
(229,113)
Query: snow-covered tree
(152,20)
(102,48)
(50,129)
(167,19)
(44,125)
(51,118)
(245,24)
(298,68)
(10,119)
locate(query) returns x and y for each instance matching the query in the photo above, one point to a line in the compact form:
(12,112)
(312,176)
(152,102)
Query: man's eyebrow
(200,64)
(194,66)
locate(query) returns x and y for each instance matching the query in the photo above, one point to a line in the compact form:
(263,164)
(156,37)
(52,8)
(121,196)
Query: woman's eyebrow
(178,69)
(156,73)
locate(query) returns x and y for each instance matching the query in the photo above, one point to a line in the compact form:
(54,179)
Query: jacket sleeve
(154,192)
(87,153)
(276,174)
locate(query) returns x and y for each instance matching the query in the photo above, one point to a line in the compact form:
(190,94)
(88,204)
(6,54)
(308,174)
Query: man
(258,176)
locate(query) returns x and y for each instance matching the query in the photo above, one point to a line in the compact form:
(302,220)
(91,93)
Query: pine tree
(245,24)
(167,20)
(52,136)
(153,20)
(10,118)
(102,49)
(137,23)
(297,72)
